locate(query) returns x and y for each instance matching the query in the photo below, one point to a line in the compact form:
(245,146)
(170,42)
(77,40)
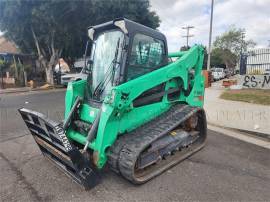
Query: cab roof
(131,27)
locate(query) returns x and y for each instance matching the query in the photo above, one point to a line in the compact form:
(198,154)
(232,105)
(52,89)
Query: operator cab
(123,50)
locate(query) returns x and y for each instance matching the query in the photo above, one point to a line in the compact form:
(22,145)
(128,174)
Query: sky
(252,15)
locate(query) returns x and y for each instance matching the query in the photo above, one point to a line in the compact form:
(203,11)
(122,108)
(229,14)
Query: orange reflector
(200,98)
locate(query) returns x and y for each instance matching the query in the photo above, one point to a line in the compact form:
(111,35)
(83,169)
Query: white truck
(77,73)
(218,73)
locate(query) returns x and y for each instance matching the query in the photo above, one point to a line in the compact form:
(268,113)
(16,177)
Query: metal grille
(258,60)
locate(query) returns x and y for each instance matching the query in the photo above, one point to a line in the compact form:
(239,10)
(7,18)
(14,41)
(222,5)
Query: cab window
(147,54)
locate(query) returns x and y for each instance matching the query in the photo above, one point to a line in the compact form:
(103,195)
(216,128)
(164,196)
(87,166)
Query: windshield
(217,70)
(104,51)
(75,70)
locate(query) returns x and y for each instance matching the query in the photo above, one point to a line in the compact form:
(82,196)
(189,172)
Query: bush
(256,72)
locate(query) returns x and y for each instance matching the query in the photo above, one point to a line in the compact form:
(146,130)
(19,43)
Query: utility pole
(243,68)
(210,36)
(188,35)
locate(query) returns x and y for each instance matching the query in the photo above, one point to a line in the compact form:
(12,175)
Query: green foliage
(184,48)
(233,41)
(3,65)
(216,57)
(223,58)
(256,72)
(60,27)
(228,46)
(257,96)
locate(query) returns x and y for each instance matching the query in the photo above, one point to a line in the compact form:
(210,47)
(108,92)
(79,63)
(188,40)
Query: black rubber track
(126,150)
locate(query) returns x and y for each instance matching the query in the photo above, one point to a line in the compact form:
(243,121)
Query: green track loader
(139,112)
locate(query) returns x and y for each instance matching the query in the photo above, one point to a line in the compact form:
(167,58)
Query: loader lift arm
(122,98)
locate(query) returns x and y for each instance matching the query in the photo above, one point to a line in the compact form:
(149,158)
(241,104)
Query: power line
(188,35)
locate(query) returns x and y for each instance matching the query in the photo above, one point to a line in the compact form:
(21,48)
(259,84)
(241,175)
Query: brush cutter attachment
(54,144)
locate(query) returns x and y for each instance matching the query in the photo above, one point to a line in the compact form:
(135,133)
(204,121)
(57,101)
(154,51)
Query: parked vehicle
(76,73)
(227,73)
(218,73)
(62,67)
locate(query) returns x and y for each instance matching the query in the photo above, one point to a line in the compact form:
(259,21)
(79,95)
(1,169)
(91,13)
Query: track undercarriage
(160,144)
(138,156)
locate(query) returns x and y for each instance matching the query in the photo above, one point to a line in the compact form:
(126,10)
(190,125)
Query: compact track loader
(139,112)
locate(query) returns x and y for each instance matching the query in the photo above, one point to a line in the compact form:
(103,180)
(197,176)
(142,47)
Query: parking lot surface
(227,169)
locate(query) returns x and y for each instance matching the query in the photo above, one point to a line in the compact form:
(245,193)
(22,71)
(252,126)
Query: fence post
(243,64)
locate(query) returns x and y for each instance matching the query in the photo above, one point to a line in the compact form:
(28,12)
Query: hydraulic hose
(93,131)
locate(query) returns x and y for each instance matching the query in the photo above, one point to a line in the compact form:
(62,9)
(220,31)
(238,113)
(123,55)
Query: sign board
(255,81)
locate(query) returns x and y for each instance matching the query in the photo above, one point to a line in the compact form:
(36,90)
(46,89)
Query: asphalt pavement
(227,169)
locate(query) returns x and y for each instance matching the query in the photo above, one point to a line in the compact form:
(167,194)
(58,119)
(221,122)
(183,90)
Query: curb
(253,133)
(241,136)
(28,90)
(14,91)
(264,136)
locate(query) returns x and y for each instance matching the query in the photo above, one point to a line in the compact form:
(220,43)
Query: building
(16,64)
(7,46)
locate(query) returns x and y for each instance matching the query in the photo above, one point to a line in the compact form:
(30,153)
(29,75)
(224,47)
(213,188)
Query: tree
(3,66)
(228,47)
(223,58)
(53,29)
(184,48)
(233,40)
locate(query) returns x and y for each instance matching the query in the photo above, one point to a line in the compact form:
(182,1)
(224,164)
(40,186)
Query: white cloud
(253,15)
